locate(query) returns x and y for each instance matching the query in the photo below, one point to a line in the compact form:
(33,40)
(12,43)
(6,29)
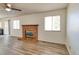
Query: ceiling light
(9,5)
(7,9)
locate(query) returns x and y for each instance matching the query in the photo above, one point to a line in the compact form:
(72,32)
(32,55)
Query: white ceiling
(30,8)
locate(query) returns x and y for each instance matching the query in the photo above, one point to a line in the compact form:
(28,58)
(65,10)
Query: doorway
(7,27)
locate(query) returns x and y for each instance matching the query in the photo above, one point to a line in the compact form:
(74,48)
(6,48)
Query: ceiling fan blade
(9,7)
(16,9)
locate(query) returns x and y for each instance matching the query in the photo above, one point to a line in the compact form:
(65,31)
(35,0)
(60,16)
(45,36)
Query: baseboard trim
(68,49)
(51,42)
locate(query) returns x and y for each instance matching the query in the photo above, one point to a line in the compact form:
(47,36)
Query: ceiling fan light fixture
(9,5)
(7,9)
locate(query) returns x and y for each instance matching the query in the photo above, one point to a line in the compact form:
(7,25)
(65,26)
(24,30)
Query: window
(16,24)
(0,24)
(52,23)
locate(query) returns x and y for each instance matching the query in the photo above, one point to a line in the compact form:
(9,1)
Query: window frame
(52,24)
(16,28)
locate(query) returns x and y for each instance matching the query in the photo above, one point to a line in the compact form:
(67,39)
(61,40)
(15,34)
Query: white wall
(73,28)
(56,37)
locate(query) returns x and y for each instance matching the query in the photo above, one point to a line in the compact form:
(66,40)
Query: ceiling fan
(8,7)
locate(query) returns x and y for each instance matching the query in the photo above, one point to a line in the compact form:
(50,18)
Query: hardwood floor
(12,46)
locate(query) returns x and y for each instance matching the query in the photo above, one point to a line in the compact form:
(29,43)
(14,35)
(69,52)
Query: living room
(46,25)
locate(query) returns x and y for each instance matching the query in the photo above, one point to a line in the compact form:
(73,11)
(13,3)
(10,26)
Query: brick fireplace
(30,32)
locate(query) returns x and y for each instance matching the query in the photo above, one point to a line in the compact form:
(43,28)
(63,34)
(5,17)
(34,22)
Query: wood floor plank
(12,46)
